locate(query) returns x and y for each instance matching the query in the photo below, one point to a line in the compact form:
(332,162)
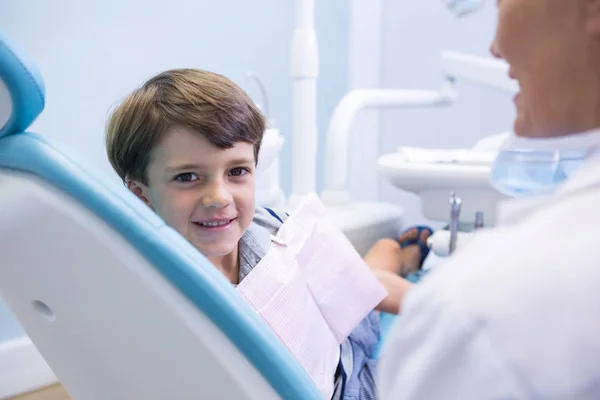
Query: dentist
(516,313)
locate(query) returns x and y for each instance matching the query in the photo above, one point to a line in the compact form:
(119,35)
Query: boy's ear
(140,190)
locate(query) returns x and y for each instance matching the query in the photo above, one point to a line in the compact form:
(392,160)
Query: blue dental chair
(120,306)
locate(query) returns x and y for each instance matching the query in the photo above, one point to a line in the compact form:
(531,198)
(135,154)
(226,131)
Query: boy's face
(203,192)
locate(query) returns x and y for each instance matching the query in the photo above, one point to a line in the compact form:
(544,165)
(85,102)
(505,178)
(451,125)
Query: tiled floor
(51,393)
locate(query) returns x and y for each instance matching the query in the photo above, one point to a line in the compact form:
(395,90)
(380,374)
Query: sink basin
(434,174)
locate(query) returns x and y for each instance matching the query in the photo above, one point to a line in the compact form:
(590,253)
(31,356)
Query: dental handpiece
(455,206)
(478,221)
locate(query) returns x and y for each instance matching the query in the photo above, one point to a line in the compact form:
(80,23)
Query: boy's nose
(217,196)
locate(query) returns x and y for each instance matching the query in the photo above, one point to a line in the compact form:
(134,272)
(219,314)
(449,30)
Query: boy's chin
(216,250)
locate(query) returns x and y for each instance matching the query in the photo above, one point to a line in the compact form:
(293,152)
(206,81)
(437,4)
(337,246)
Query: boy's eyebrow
(242,160)
(192,166)
(183,166)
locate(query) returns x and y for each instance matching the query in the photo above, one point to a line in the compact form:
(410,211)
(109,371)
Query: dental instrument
(478,224)
(455,205)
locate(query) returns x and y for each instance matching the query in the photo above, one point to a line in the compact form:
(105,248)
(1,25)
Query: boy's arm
(396,286)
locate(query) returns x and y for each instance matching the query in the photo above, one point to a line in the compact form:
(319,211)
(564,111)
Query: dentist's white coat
(515,314)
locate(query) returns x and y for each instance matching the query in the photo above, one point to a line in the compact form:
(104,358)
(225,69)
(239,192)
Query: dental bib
(312,288)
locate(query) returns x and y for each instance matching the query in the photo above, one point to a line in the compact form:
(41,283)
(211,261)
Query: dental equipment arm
(304,71)
(482,70)
(338,135)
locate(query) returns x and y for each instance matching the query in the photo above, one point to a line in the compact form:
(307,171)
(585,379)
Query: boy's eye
(238,171)
(186,177)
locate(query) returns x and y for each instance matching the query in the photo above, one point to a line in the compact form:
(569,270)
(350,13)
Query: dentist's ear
(140,190)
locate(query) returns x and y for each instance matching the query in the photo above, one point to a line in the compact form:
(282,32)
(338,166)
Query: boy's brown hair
(205,102)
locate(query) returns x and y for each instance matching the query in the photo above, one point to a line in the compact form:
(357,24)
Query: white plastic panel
(267,185)
(107,323)
(270,148)
(5,104)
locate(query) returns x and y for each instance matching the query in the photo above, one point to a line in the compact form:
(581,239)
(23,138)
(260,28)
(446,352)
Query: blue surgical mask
(524,172)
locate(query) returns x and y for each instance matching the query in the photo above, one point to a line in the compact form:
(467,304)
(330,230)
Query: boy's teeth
(212,224)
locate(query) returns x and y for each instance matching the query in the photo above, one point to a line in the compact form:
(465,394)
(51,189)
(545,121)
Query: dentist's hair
(206,102)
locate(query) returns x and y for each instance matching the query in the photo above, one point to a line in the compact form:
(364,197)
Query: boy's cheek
(245,214)
(172,208)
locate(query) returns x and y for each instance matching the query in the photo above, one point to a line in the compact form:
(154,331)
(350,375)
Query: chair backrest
(118,304)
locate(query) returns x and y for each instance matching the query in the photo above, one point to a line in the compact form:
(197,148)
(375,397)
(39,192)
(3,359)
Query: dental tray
(445,156)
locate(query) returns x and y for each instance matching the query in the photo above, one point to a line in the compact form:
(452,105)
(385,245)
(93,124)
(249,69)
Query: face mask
(522,173)
(461,8)
(528,167)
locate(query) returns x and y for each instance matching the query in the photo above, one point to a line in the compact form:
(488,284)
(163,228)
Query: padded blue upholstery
(25,85)
(175,258)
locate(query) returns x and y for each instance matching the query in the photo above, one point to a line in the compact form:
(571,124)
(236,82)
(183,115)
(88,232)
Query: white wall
(92,53)
(414,34)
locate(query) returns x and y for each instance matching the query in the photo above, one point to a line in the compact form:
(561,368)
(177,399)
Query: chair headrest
(22,91)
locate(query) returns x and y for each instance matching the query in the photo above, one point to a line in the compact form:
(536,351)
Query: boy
(186,143)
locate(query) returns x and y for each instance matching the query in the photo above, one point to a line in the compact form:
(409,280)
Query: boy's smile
(203,192)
